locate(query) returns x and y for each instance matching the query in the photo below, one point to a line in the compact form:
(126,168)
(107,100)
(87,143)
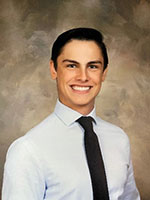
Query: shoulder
(43,125)
(24,154)
(28,144)
(21,149)
(113,137)
(111,130)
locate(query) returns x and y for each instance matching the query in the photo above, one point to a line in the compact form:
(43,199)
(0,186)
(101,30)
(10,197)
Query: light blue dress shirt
(49,162)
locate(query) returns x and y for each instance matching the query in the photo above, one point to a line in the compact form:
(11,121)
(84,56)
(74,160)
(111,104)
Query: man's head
(79,65)
(84,34)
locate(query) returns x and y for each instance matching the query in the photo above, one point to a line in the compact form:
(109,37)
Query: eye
(93,66)
(71,66)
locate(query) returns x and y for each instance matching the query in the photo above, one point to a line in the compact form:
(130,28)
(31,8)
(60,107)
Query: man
(52,161)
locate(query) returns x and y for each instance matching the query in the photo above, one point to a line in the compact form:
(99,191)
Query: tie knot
(86,122)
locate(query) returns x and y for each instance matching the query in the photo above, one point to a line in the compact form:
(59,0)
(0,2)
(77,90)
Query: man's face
(79,74)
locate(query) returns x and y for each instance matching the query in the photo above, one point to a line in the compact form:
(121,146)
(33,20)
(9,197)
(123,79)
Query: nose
(83,75)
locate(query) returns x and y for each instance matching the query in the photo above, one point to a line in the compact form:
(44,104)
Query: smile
(79,88)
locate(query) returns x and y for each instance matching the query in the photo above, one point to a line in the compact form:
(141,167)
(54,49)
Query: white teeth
(80,88)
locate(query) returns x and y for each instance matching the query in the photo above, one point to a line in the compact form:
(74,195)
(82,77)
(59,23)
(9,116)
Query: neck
(82,109)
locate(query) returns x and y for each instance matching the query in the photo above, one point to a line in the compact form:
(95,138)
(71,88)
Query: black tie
(94,159)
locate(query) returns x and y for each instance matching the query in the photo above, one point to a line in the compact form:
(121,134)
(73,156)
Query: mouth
(81,88)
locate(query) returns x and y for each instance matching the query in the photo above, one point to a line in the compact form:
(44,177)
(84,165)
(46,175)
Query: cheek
(68,75)
(97,78)
(63,79)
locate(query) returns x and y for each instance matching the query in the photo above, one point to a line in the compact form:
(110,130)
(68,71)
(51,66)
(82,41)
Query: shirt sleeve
(23,177)
(130,190)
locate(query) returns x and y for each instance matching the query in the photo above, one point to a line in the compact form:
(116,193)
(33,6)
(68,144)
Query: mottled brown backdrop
(27,93)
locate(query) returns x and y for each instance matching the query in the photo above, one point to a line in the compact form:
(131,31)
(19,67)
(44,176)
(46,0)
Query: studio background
(28,94)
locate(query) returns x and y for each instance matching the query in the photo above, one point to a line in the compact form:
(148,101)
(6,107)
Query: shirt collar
(68,115)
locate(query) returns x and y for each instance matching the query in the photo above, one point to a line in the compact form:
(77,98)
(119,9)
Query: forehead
(78,47)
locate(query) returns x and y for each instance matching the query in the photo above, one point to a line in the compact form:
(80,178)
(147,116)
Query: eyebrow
(95,62)
(71,61)
(75,62)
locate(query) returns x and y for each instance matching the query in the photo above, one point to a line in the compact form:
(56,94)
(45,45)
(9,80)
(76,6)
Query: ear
(104,73)
(53,71)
